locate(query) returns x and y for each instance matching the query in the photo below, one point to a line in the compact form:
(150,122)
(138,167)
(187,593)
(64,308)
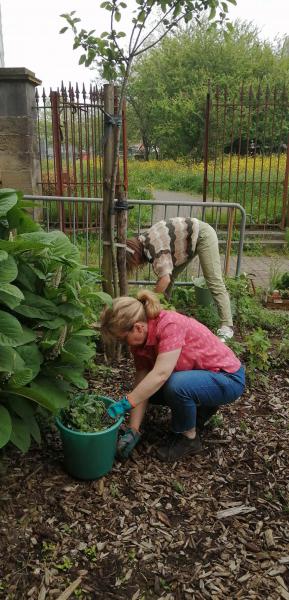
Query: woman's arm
(154,380)
(162,284)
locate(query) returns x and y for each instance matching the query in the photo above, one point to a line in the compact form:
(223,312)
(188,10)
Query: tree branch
(159,39)
(156,26)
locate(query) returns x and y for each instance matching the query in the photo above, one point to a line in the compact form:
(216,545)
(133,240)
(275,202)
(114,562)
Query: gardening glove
(127,441)
(118,409)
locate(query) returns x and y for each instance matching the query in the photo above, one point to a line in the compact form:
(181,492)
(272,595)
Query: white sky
(31,38)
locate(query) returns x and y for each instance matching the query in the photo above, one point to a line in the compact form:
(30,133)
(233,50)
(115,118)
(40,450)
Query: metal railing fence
(246,151)
(144,213)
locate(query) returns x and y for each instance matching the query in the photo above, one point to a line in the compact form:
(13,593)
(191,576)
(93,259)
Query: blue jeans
(186,392)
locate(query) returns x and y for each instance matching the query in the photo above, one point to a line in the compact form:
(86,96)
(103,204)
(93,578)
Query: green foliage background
(168,85)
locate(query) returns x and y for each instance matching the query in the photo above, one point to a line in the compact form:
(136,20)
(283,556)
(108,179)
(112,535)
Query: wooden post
(107,174)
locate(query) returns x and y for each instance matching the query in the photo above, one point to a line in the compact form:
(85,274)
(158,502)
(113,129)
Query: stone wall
(19,154)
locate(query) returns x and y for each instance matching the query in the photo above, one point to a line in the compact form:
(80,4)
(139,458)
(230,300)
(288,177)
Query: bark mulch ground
(213,526)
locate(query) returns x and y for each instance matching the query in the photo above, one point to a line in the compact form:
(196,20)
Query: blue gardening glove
(118,409)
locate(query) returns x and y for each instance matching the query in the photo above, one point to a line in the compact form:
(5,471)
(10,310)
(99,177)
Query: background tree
(168,85)
(152,21)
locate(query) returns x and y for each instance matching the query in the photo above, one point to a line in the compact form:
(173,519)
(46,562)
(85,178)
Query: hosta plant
(48,302)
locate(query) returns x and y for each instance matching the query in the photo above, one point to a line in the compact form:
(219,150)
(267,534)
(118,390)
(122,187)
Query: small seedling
(48,547)
(65,565)
(91,553)
(131,554)
(216,421)
(243,426)
(178,487)
(114,490)
(165,585)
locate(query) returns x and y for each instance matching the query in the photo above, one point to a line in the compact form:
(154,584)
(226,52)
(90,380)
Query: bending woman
(169,246)
(179,363)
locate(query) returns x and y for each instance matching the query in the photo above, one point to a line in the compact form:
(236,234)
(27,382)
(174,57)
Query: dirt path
(162,212)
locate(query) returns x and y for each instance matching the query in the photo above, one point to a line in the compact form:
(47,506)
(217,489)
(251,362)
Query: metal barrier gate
(143,214)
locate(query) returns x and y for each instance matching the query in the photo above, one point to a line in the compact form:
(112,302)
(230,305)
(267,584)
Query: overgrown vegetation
(239,175)
(256,327)
(48,303)
(86,413)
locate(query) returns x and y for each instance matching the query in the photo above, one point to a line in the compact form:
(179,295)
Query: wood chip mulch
(213,526)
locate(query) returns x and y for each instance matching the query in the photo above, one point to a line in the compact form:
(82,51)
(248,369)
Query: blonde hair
(126,311)
(137,258)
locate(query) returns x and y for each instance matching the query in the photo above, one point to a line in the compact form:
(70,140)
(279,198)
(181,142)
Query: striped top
(170,244)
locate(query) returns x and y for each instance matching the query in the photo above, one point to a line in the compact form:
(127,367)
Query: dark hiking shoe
(127,441)
(177,447)
(203,417)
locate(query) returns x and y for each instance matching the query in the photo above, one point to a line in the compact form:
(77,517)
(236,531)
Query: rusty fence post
(206,148)
(56,132)
(108,149)
(285,203)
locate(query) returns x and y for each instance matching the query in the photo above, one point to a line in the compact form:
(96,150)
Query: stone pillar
(19,152)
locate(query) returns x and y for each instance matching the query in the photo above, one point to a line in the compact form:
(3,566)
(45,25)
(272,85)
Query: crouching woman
(179,363)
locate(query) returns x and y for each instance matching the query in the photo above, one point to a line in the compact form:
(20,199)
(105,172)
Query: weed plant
(86,413)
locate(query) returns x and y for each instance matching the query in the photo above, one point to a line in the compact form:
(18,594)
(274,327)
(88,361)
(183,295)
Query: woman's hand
(118,409)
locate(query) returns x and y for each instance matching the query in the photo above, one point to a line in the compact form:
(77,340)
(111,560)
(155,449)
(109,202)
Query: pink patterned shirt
(201,349)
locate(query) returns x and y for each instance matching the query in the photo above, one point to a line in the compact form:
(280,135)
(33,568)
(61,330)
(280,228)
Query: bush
(47,305)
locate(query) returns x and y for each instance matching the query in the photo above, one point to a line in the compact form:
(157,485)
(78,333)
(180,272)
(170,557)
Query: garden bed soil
(213,526)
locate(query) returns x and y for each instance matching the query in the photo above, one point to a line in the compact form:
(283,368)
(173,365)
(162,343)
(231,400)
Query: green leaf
(53,324)
(84,333)
(5,426)
(8,270)
(20,435)
(32,357)
(20,378)
(45,393)
(82,59)
(117,16)
(3,255)
(11,331)
(105,298)
(28,336)
(73,376)
(38,301)
(26,277)
(10,295)
(10,361)
(31,312)
(76,351)
(63,29)
(8,199)
(24,409)
(20,245)
(69,310)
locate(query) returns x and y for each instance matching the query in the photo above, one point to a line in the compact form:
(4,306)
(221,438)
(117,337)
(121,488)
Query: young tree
(152,21)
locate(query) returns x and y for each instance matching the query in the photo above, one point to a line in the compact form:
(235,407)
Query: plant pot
(89,455)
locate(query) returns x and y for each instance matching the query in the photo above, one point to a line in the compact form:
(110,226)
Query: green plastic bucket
(203,296)
(89,455)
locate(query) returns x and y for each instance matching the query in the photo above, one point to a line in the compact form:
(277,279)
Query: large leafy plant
(48,303)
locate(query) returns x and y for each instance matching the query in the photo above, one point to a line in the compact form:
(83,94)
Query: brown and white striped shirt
(170,244)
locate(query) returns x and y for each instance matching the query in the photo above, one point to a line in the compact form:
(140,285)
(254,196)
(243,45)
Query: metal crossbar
(88,235)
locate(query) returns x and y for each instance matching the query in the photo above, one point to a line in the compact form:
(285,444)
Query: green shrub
(48,302)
